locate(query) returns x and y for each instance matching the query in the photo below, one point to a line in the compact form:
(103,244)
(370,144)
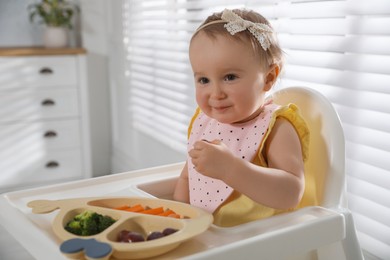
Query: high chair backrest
(327,145)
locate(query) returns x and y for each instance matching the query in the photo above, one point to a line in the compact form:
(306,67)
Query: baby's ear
(271,77)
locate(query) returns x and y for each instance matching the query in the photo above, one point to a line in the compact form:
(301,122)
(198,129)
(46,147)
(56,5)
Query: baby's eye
(230,77)
(203,80)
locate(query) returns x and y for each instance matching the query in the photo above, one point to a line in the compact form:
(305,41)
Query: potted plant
(57,16)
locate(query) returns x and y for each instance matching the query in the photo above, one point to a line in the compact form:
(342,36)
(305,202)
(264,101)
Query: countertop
(41,51)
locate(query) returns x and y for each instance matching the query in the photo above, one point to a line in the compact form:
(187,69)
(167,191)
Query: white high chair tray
(314,225)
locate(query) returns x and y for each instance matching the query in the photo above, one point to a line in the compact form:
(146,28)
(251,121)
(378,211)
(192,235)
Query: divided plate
(90,247)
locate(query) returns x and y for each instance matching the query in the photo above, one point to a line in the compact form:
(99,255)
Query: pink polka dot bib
(243,140)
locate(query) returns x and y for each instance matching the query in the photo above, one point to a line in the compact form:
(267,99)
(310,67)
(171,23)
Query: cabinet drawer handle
(46,71)
(48,102)
(50,134)
(52,164)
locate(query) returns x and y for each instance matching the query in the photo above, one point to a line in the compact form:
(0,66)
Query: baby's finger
(198,145)
(197,165)
(193,153)
(194,161)
(216,141)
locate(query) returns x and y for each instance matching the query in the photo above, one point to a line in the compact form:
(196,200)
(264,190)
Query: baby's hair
(273,55)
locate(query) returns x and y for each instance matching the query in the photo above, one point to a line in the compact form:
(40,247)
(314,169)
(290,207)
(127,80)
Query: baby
(246,154)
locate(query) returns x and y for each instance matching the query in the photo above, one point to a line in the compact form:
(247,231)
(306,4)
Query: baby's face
(229,79)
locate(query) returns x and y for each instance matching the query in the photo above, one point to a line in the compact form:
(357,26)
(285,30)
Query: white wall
(26,33)
(94,38)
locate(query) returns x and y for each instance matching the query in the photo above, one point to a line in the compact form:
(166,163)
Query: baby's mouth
(220,108)
(219,105)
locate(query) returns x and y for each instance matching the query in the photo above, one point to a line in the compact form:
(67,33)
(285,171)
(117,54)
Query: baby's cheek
(202,100)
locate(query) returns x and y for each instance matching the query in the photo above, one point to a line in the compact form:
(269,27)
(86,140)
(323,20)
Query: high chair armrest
(283,236)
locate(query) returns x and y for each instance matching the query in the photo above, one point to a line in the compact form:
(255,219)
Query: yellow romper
(238,208)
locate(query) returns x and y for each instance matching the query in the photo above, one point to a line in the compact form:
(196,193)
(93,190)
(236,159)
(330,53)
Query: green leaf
(53,12)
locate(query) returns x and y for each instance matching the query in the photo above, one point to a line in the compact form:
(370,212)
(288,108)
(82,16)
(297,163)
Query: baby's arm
(279,186)
(181,192)
(282,184)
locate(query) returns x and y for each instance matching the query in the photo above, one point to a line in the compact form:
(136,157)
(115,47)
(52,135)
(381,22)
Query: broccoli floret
(73,227)
(85,215)
(105,222)
(88,223)
(74,224)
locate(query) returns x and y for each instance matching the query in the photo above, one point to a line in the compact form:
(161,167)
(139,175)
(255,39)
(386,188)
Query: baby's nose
(217,92)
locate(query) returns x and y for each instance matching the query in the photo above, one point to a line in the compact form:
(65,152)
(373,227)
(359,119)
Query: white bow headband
(235,24)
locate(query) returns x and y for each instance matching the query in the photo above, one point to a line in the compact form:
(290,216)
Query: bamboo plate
(104,245)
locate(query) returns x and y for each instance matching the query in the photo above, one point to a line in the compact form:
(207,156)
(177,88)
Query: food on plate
(126,236)
(130,237)
(89,223)
(154,235)
(157,211)
(169,231)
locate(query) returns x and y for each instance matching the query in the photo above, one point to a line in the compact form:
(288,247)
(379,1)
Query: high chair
(327,160)
(318,232)
(312,233)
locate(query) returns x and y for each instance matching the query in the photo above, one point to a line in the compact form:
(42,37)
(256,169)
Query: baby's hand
(212,159)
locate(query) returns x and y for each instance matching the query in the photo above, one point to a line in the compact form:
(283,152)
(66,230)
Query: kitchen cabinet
(44,117)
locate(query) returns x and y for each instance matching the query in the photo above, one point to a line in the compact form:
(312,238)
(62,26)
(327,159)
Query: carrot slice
(124,207)
(174,216)
(136,208)
(167,213)
(159,211)
(153,211)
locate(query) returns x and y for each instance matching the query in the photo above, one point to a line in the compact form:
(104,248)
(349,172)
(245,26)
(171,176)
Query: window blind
(338,47)
(341,48)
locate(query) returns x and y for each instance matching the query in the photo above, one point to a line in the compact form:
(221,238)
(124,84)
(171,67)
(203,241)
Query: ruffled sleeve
(292,114)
